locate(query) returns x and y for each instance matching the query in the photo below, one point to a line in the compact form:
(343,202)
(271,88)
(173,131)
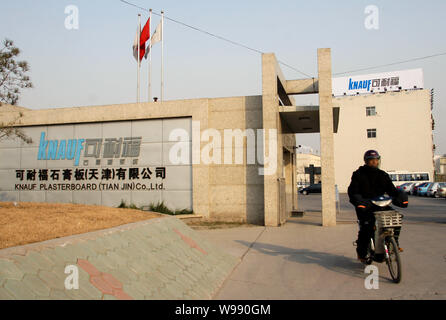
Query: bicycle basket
(389,219)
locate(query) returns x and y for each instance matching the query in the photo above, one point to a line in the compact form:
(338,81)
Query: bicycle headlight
(382,202)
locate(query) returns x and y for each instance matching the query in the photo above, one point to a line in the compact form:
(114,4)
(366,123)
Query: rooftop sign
(378,82)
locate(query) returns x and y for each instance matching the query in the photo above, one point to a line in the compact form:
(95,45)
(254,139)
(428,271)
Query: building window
(370,111)
(371,133)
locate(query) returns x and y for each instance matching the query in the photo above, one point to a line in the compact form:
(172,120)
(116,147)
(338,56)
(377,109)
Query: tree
(13,78)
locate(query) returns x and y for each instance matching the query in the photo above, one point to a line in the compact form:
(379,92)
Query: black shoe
(362,259)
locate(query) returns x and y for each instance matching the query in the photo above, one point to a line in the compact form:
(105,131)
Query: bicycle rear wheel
(394,260)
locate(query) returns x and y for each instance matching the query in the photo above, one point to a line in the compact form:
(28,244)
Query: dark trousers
(366,231)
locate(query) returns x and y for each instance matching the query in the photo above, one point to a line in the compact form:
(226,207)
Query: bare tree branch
(13,78)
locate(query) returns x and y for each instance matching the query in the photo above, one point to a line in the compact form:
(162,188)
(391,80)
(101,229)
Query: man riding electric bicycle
(369,182)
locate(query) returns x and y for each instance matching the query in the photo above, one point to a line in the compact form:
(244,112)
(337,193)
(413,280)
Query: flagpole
(138,59)
(162,56)
(150,56)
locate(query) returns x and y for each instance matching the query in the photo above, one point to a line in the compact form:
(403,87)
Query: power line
(279,61)
(215,36)
(393,63)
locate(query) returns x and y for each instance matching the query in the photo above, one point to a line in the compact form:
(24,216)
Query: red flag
(145,35)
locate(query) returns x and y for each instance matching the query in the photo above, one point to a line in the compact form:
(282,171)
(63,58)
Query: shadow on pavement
(332,262)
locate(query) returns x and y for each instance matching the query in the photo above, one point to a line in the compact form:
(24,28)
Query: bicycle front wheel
(394,260)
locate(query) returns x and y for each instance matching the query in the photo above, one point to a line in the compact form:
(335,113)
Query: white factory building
(390,112)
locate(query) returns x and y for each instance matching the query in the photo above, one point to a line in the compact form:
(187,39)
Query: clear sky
(94,65)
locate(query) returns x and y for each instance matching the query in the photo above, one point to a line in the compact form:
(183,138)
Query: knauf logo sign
(362,84)
(60,149)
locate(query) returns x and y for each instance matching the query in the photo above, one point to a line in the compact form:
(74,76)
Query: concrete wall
(219,191)
(235,188)
(404,133)
(154,148)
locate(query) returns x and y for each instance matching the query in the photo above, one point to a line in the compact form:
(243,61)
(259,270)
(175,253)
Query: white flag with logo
(135,46)
(157,35)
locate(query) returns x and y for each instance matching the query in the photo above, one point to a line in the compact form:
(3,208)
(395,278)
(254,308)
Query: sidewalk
(302,260)
(155,259)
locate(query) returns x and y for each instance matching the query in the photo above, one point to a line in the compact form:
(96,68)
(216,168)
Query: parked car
(314,188)
(433,189)
(302,185)
(413,189)
(405,187)
(422,184)
(423,188)
(441,192)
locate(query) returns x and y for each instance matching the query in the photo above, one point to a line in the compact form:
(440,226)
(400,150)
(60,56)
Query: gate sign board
(100,163)
(379,82)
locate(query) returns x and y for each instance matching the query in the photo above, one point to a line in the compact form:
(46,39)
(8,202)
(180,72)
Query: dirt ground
(35,222)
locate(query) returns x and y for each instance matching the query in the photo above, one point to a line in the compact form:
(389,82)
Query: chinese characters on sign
(90,174)
(90,179)
(385,82)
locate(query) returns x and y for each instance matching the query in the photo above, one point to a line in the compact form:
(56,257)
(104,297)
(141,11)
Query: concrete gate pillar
(327,143)
(273,95)
(270,105)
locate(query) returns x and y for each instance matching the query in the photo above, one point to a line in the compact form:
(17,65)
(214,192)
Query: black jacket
(368,183)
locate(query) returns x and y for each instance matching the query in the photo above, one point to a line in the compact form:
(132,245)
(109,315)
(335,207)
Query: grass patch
(162,208)
(28,222)
(123,205)
(159,207)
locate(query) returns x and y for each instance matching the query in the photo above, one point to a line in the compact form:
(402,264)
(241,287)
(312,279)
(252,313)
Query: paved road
(421,209)
(302,260)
